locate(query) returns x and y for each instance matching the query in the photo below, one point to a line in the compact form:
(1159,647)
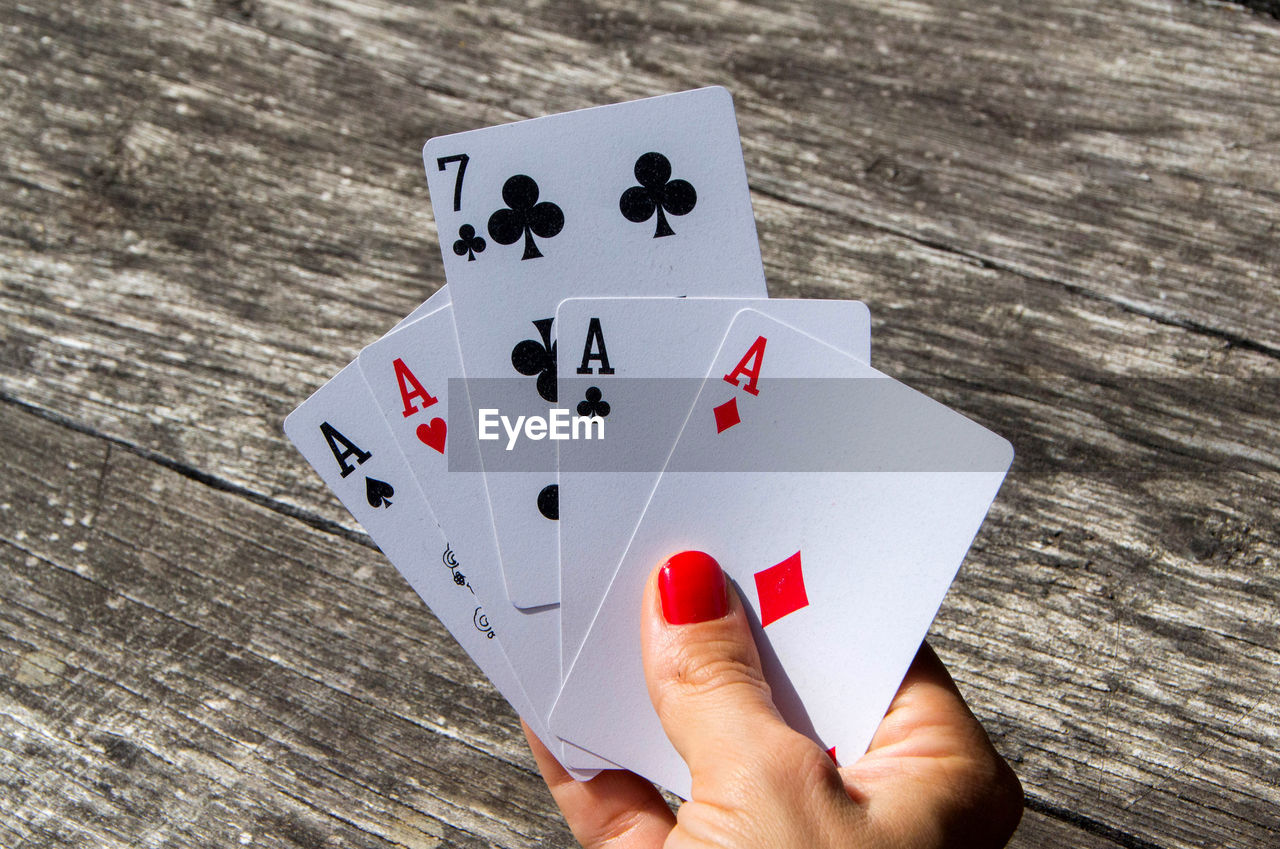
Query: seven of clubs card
(597,261)
(642,198)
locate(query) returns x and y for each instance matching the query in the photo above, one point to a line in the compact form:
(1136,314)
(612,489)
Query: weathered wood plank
(1118,150)
(282,689)
(153,207)
(181,662)
(1038,830)
(1124,150)
(185,258)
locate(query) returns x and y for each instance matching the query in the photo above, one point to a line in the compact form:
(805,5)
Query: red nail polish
(692,588)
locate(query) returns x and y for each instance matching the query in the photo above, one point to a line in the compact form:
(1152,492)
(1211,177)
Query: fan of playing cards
(603,383)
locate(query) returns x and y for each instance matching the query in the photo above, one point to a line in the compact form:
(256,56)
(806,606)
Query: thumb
(703,669)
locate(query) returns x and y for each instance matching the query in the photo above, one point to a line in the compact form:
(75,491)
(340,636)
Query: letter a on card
(594,349)
(749,366)
(410,388)
(334,437)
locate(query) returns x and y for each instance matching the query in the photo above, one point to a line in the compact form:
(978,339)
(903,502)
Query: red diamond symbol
(781,590)
(726,415)
(831,753)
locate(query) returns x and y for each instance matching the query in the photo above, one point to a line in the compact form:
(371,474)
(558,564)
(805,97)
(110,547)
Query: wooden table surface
(1063,217)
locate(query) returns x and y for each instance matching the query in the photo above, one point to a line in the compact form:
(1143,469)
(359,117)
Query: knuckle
(815,768)
(798,766)
(1007,800)
(988,800)
(778,764)
(613,829)
(714,667)
(708,825)
(998,784)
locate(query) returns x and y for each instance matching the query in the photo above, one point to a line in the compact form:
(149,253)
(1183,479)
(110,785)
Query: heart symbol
(432,434)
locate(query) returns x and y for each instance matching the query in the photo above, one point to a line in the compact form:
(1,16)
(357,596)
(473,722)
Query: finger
(926,698)
(703,670)
(931,754)
(929,717)
(614,810)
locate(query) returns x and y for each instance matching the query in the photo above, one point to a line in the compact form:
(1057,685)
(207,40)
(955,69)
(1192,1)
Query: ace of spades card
(344,437)
(839,502)
(648,197)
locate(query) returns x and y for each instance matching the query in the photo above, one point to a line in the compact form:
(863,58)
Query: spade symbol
(378,492)
(657,192)
(549,502)
(525,216)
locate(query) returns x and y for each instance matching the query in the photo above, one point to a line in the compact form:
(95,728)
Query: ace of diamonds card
(839,501)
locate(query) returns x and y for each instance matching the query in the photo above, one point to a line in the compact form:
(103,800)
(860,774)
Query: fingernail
(692,588)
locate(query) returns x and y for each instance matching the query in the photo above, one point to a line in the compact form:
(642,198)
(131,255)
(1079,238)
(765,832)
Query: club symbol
(378,493)
(657,192)
(525,216)
(532,357)
(593,404)
(468,243)
(549,502)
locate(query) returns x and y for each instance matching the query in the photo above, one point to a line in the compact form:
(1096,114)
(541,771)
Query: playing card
(839,502)
(341,434)
(639,362)
(647,197)
(411,372)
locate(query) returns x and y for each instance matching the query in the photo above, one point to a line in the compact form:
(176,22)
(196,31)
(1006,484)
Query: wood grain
(186,663)
(184,668)
(1061,216)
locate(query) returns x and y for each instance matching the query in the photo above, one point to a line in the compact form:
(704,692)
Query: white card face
(642,198)
(409,373)
(840,507)
(645,358)
(342,435)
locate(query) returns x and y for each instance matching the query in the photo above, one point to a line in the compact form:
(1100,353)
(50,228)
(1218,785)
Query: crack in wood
(1267,7)
(1089,824)
(190,472)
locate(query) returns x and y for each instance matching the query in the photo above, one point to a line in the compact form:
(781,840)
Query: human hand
(930,778)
